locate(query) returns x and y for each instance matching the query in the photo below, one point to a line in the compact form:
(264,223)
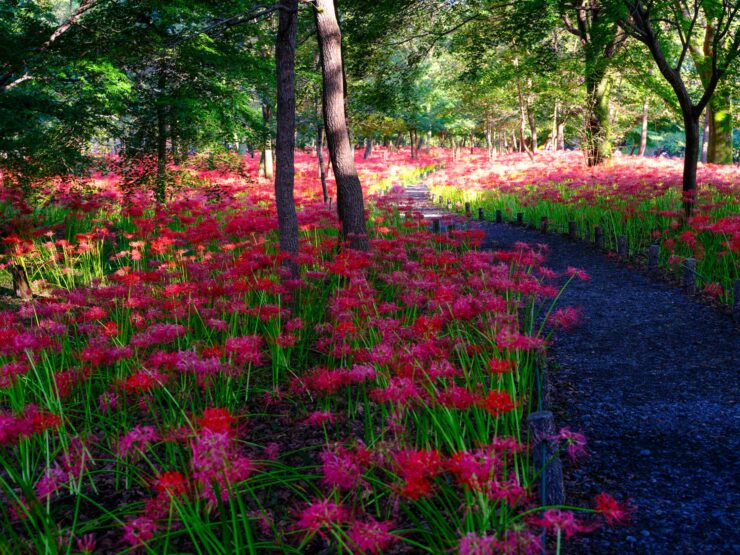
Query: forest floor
(650,375)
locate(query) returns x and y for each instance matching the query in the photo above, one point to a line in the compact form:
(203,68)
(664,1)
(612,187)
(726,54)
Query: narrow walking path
(651,377)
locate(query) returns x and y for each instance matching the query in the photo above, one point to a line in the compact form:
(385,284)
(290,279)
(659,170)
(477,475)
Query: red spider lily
(561,521)
(497,403)
(417,468)
(340,468)
(321,514)
(613,511)
(370,536)
(216,420)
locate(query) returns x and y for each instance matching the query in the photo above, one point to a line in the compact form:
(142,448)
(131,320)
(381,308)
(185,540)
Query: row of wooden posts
(688,276)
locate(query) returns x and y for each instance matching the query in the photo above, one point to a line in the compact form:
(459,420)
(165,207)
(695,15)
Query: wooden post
(481,214)
(599,237)
(543,224)
(440,200)
(519,218)
(653,258)
(541,426)
(435,225)
(572,231)
(689,275)
(499,217)
(467,209)
(622,247)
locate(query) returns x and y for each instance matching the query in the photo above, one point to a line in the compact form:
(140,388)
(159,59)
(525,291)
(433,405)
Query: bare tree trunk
(174,144)
(690,163)
(320,156)
(705,136)
(160,187)
(644,129)
(368,148)
(429,142)
(267,162)
(285,143)
(720,128)
(350,203)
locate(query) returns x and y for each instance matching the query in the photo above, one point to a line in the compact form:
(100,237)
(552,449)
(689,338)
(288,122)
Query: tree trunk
(705,136)
(719,150)
(690,162)
(267,163)
(532,128)
(174,143)
(20,282)
(597,133)
(285,142)
(350,203)
(644,129)
(320,156)
(429,142)
(412,141)
(368,148)
(160,188)
(419,145)
(554,132)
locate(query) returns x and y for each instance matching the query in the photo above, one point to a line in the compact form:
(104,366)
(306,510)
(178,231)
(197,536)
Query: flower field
(637,197)
(169,390)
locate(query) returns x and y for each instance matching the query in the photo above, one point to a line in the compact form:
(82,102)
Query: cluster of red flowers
(411,359)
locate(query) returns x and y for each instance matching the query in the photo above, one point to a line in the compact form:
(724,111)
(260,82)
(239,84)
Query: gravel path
(651,377)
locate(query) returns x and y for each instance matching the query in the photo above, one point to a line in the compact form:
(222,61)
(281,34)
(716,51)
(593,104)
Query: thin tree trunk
(20,282)
(429,142)
(285,143)
(160,188)
(719,150)
(644,129)
(690,162)
(320,155)
(267,162)
(350,203)
(705,136)
(368,148)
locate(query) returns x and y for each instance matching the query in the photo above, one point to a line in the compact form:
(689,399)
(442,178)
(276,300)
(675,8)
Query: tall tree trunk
(174,142)
(368,148)
(320,156)
(532,127)
(285,142)
(705,136)
(412,141)
(691,159)
(597,133)
(160,187)
(719,150)
(554,132)
(644,128)
(350,203)
(266,162)
(429,142)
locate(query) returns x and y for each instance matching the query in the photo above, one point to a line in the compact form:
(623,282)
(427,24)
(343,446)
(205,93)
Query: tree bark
(690,163)
(644,128)
(598,133)
(266,162)
(705,136)
(160,188)
(368,148)
(719,150)
(350,203)
(285,142)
